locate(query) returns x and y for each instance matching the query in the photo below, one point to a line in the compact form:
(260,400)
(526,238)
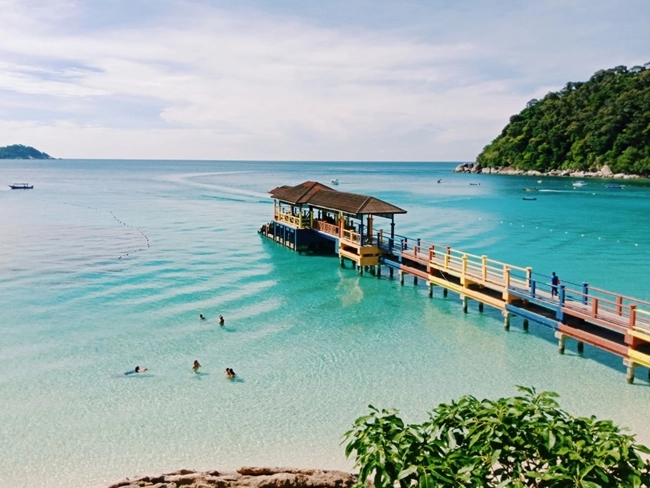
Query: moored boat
(579,183)
(614,186)
(21,186)
(335,181)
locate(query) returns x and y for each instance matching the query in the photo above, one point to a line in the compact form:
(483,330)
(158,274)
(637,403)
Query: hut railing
(351,236)
(326,227)
(293,220)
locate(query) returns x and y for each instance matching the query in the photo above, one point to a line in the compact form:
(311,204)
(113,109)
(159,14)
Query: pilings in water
(506,320)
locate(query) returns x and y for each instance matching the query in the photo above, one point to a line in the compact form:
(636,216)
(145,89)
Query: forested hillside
(18,151)
(605,120)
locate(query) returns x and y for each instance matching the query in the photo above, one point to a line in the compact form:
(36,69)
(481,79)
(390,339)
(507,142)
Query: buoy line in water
(146,237)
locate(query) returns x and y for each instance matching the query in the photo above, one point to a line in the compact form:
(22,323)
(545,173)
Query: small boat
(475,184)
(614,186)
(335,181)
(440,180)
(539,181)
(579,183)
(529,198)
(531,189)
(21,186)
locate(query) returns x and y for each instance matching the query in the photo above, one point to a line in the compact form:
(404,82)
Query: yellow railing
(293,220)
(351,236)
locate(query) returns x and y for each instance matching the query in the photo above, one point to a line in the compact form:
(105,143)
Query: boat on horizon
(334,181)
(579,183)
(531,189)
(21,186)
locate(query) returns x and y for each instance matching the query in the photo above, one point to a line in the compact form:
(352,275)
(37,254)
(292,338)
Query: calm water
(107,264)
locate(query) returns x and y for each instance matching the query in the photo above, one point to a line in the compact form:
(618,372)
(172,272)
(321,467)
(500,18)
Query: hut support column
(525,325)
(480,306)
(444,292)
(581,347)
(506,320)
(430,289)
(390,272)
(464,300)
(401,277)
(342,261)
(415,280)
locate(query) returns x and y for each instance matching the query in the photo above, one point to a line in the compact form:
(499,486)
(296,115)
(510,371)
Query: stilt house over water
(312,217)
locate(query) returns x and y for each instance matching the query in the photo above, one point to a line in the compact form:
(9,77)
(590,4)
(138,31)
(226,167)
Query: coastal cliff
(18,151)
(583,127)
(245,477)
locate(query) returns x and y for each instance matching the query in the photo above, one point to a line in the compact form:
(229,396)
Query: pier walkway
(312,217)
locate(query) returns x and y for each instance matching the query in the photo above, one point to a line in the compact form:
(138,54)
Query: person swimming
(230,373)
(222,321)
(137,369)
(196,366)
(201,316)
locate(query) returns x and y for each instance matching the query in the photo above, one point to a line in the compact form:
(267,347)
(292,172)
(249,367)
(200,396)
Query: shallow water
(107,264)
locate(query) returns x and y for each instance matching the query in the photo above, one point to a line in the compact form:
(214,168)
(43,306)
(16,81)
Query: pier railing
(610,310)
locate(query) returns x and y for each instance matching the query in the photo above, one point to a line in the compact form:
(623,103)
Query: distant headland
(18,151)
(583,128)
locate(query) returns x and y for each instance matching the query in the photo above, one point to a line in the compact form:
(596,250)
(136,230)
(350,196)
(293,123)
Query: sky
(321,80)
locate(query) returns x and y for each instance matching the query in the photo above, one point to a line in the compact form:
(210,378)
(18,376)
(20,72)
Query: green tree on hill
(584,126)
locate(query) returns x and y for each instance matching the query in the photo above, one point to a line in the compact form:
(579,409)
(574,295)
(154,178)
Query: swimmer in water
(196,366)
(137,369)
(230,373)
(201,316)
(222,321)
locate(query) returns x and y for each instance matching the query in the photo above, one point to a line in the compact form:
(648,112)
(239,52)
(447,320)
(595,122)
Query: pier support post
(561,342)
(360,270)
(464,299)
(581,347)
(630,371)
(354,265)
(342,261)
(373,270)
(525,325)
(480,306)
(415,280)
(390,272)
(430,289)
(401,277)
(378,271)
(444,292)
(506,320)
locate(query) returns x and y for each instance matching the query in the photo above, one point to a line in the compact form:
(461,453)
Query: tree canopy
(522,441)
(18,151)
(584,126)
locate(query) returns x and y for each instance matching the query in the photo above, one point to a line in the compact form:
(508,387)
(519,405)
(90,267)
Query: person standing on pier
(554,282)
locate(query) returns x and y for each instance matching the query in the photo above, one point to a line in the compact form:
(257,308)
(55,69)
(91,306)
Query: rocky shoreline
(604,172)
(245,477)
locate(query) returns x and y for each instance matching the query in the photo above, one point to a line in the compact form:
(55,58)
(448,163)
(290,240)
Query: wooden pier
(312,217)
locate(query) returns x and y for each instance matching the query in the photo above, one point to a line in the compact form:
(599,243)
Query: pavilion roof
(321,196)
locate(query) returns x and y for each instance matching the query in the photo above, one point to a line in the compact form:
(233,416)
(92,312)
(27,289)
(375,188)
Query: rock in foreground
(244,478)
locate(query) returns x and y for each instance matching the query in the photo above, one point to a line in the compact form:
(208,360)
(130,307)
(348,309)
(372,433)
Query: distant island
(585,127)
(18,151)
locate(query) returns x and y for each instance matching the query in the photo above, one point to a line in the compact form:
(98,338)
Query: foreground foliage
(523,441)
(605,120)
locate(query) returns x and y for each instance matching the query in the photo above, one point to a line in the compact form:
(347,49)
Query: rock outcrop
(245,477)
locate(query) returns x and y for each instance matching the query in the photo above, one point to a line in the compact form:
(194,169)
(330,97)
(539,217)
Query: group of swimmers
(230,373)
(222,321)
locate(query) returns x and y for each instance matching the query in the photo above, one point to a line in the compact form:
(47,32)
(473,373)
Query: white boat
(335,181)
(579,183)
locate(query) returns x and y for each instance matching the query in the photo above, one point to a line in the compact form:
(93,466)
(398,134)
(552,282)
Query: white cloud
(252,85)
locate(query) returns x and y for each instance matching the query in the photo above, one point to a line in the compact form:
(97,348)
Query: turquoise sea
(106,265)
